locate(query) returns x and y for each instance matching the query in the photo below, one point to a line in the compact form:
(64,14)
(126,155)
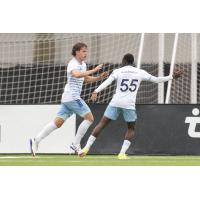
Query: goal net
(181,88)
(148,92)
(33,65)
(186,90)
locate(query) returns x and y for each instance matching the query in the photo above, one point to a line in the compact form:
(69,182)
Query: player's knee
(58,122)
(89,117)
(91,120)
(131,126)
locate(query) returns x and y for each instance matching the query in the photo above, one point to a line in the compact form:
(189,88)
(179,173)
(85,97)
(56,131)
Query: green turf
(97,160)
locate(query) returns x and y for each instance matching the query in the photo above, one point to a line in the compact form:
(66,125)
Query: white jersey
(74,85)
(128,81)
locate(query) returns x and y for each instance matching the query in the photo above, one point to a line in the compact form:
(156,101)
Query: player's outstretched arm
(101,87)
(176,74)
(90,79)
(81,74)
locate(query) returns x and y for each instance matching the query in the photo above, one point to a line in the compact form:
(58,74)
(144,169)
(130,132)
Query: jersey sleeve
(160,79)
(145,76)
(72,66)
(114,74)
(106,83)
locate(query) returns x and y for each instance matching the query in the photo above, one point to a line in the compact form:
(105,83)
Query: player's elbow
(77,74)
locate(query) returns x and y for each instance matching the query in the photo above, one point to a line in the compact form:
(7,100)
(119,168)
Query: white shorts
(78,107)
(114,112)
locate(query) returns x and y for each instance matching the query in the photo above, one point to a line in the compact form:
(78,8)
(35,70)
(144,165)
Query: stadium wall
(160,130)
(34,48)
(19,123)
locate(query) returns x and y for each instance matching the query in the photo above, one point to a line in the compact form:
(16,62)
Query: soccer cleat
(84,152)
(76,148)
(34,146)
(122,156)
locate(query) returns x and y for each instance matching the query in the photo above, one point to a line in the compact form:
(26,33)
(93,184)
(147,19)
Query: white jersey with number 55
(128,81)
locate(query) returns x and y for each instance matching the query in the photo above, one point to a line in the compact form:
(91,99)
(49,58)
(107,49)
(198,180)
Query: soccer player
(71,101)
(128,79)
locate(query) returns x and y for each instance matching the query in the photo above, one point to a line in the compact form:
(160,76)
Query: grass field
(97,160)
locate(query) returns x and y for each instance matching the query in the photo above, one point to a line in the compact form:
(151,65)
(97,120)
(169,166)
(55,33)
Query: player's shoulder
(116,70)
(144,74)
(73,61)
(72,64)
(142,71)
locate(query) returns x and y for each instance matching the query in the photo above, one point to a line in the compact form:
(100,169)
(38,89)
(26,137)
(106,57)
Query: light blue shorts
(78,107)
(114,112)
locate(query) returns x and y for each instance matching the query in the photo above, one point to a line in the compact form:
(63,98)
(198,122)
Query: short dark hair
(78,47)
(128,59)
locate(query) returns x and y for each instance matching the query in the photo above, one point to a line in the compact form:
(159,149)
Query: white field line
(91,161)
(174,158)
(64,161)
(54,157)
(8,157)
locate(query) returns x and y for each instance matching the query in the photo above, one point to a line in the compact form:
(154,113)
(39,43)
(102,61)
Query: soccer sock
(90,141)
(125,146)
(45,131)
(82,129)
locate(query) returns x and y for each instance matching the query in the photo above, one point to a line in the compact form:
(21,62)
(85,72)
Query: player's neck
(78,59)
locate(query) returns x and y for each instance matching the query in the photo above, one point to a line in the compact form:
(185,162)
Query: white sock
(90,141)
(82,129)
(125,146)
(45,131)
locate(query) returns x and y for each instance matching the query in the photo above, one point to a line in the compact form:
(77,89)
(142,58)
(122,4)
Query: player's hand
(97,68)
(94,96)
(177,74)
(104,75)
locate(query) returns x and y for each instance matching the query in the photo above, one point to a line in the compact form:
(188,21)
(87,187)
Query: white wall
(21,122)
(18,48)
